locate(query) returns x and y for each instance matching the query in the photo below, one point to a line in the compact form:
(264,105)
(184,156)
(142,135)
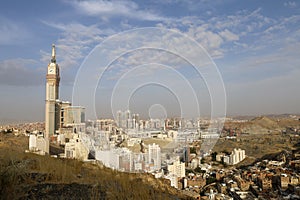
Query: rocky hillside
(264,125)
(260,125)
(261,136)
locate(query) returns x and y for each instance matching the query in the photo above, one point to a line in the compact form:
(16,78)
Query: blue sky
(255,45)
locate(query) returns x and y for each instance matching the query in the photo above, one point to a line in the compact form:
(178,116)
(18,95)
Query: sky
(253,45)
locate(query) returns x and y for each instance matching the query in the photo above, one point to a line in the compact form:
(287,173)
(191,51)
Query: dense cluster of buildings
(265,179)
(123,159)
(120,145)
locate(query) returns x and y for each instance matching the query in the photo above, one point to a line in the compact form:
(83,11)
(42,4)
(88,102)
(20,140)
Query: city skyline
(253,44)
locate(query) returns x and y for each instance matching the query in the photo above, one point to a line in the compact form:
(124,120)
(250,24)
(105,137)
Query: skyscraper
(119,118)
(128,120)
(52,91)
(154,156)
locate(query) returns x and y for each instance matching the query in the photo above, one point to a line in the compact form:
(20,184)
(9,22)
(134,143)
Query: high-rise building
(186,154)
(60,116)
(135,121)
(154,156)
(74,115)
(63,105)
(119,118)
(128,121)
(52,91)
(177,168)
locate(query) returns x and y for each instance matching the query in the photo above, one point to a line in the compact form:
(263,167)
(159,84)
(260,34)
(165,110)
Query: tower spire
(53,59)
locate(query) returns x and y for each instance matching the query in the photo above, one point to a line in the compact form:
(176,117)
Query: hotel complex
(61,118)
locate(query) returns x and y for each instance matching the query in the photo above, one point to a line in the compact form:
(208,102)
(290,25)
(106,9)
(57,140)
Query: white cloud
(12,32)
(144,57)
(75,42)
(269,65)
(213,34)
(211,40)
(290,4)
(220,35)
(229,36)
(244,18)
(275,34)
(115,8)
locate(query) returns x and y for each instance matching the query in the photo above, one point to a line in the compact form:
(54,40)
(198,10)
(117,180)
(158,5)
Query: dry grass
(29,176)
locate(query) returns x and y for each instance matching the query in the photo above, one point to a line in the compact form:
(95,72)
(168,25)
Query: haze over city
(129,99)
(254,44)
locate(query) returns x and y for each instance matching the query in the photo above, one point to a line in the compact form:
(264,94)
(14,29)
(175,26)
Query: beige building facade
(52,92)
(60,116)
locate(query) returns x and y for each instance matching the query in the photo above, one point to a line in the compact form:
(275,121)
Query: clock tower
(52,91)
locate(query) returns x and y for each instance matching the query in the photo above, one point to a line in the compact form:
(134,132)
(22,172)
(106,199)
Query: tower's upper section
(53,59)
(53,68)
(52,77)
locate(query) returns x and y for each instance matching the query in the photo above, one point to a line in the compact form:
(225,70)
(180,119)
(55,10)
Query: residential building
(236,156)
(76,149)
(177,168)
(154,156)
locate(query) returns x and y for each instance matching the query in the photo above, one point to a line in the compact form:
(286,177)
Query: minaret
(52,91)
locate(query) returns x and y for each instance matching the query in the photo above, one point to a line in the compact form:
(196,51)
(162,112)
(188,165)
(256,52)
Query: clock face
(51,69)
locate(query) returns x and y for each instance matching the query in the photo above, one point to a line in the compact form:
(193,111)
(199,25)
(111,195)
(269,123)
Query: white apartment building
(118,158)
(154,156)
(236,156)
(177,168)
